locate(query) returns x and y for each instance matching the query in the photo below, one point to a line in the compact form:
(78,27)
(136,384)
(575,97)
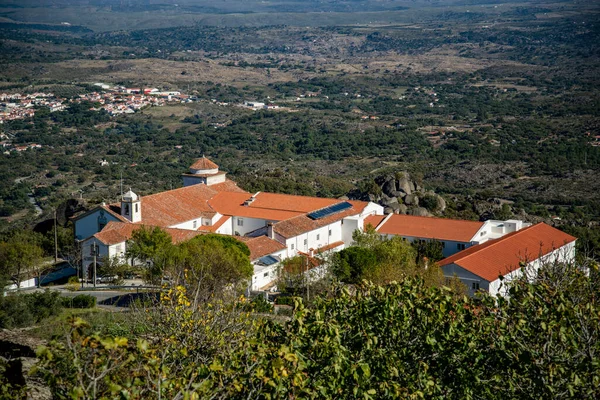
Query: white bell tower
(131,207)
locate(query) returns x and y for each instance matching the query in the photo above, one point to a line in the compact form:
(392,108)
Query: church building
(274,226)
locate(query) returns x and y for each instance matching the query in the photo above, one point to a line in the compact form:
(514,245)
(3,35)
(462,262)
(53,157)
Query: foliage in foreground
(403,340)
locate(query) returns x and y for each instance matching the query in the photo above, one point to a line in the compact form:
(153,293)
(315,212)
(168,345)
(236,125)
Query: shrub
(284,301)
(73,284)
(21,310)
(261,305)
(79,301)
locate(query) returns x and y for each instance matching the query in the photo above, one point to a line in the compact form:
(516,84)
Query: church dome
(204,166)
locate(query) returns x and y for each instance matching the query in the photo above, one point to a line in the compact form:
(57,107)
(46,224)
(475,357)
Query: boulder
(393,200)
(389,188)
(388,210)
(420,212)
(441,203)
(405,185)
(402,209)
(411,200)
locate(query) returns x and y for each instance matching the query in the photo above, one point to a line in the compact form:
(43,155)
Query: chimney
(251,199)
(270,232)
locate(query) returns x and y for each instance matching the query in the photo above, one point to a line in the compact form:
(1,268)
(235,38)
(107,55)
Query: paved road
(106,296)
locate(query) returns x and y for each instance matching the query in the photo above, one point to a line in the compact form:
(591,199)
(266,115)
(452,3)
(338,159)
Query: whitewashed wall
(564,254)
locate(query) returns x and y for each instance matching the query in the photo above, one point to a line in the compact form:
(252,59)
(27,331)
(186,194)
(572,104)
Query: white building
(454,235)
(524,251)
(271,224)
(265,254)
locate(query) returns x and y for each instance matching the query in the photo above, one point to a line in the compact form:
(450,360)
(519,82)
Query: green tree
(430,249)
(21,256)
(151,246)
(209,264)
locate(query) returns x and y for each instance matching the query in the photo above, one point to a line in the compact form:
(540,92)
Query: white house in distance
(274,226)
(479,267)
(454,235)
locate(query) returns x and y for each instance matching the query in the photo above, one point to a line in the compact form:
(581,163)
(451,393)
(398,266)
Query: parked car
(107,279)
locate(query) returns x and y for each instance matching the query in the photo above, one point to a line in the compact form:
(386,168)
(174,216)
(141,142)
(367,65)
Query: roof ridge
(442,218)
(178,189)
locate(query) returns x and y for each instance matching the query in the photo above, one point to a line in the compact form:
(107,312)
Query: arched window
(126,209)
(136,207)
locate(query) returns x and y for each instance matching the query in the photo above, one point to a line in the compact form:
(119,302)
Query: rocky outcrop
(401,194)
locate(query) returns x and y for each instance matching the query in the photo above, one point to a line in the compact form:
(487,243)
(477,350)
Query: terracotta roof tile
(118,232)
(428,227)
(204,163)
(231,203)
(288,202)
(205,175)
(177,206)
(330,246)
(261,246)
(373,220)
(217,225)
(503,255)
(302,223)
(227,186)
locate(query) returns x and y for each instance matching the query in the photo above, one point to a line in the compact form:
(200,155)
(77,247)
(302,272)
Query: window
(195,224)
(443,245)
(330,232)
(475,286)
(136,207)
(102,221)
(460,246)
(292,246)
(266,274)
(318,236)
(482,233)
(305,242)
(240,222)
(126,209)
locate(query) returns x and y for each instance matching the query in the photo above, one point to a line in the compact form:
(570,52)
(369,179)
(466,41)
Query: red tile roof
(217,225)
(230,203)
(302,223)
(503,255)
(261,246)
(204,163)
(289,202)
(204,175)
(374,220)
(427,227)
(118,232)
(227,186)
(177,206)
(329,247)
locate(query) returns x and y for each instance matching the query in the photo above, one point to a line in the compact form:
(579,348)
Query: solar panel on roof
(268,260)
(327,211)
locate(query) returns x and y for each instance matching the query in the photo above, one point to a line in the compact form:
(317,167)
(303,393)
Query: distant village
(116,100)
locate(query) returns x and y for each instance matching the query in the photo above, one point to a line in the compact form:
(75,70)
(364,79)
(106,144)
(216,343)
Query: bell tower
(131,207)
